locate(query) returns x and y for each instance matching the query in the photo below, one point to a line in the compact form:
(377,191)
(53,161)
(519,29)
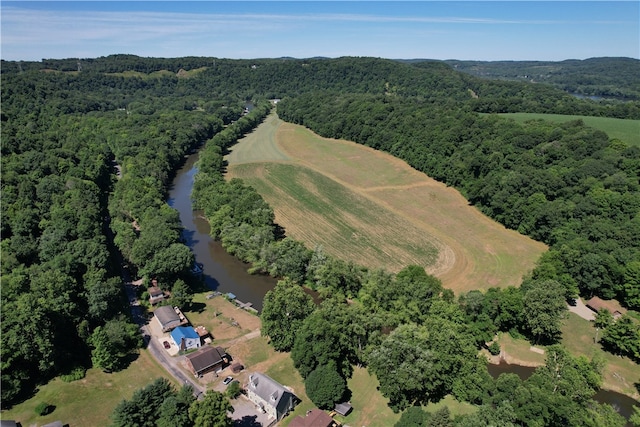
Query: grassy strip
(625,130)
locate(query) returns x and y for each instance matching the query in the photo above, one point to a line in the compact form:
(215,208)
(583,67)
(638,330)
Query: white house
(186,338)
(270,396)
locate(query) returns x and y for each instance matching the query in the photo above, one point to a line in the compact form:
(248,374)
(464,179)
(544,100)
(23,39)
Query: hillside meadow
(371,208)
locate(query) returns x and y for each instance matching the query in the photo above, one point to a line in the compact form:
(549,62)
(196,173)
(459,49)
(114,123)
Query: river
(622,403)
(225,273)
(222,272)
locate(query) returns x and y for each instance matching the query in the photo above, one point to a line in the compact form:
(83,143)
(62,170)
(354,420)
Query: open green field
(624,130)
(371,208)
(89,401)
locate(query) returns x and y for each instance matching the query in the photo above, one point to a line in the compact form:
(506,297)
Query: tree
(181,295)
(233,390)
(143,409)
(113,342)
(543,309)
(413,416)
(103,355)
(211,411)
(421,364)
(170,262)
(322,339)
(603,319)
(284,309)
(623,337)
(174,411)
(325,387)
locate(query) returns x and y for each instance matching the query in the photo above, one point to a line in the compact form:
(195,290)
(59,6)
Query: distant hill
(594,77)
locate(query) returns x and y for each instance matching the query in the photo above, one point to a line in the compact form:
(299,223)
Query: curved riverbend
(225,273)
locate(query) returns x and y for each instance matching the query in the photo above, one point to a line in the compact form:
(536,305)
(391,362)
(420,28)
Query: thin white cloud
(26,33)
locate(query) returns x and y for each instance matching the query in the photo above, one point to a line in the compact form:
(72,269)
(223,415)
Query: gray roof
(272,392)
(166,314)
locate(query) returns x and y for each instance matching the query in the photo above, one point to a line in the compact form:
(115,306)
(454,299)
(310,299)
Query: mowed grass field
(624,130)
(91,400)
(371,208)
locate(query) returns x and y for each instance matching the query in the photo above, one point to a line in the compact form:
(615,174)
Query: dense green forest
(593,77)
(89,148)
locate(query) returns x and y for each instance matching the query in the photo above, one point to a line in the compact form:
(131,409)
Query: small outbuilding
(343,409)
(155,295)
(186,338)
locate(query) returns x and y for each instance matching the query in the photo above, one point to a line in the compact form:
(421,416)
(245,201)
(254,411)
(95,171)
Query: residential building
(207,359)
(270,396)
(186,338)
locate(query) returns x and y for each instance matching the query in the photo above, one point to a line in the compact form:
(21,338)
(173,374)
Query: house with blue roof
(186,338)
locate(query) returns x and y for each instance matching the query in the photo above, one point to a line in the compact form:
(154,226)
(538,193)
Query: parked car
(227,380)
(166,344)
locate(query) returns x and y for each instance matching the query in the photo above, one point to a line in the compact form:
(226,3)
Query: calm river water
(225,273)
(222,272)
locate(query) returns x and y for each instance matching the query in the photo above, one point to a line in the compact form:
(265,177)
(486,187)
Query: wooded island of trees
(87,157)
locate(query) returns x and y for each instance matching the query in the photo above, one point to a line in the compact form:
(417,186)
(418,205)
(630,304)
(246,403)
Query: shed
(237,367)
(155,294)
(167,317)
(343,408)
(596,304)
(207,359)
(186,338)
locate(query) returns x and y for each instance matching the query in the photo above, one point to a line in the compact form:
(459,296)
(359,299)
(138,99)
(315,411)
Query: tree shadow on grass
(197,307)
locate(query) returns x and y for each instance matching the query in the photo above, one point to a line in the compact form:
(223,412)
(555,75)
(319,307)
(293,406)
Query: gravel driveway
(582,310)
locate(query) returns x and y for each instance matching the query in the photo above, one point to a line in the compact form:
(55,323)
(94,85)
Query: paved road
(166,361)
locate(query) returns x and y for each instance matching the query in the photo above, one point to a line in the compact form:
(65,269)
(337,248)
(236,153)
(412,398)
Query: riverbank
(578,335)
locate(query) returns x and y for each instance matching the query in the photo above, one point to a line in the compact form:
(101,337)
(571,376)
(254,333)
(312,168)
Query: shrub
(76,374)
(494,348)
(44,408)
(233,390)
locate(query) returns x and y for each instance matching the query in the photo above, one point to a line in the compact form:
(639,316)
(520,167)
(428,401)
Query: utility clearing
(371,208)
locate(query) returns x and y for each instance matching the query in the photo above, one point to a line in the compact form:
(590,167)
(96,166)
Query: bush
(44,408)
(494,348)
(76,374)
(233,390)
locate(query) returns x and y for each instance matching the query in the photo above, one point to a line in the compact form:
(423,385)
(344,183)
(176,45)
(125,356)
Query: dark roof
(314,418)
(206,358)
(343,408)
(8,423)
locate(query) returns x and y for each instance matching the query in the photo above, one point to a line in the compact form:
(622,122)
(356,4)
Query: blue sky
(480,30)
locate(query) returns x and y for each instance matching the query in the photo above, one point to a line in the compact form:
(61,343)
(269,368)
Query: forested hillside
(89,147)
(597,77)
